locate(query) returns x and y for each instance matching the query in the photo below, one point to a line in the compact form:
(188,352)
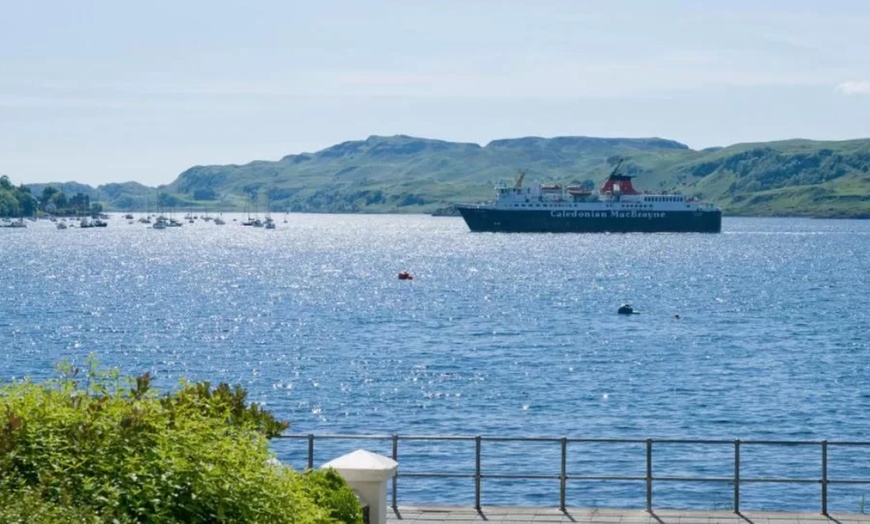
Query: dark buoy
(625,309)
(404,275)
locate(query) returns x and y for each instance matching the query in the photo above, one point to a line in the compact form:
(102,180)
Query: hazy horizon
(100,92)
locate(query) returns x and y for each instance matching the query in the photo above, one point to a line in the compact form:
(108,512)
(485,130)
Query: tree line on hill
(403,174)
(20,202)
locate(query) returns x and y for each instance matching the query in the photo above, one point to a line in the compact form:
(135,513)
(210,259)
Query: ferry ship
(616,208)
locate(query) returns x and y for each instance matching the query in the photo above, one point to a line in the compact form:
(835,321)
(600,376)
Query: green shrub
(104,448)
(325,489)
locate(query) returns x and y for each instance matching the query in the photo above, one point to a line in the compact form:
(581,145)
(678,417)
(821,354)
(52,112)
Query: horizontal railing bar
(691,441)
(626,478)
(677,478)
(436,475)
(743,480)
(373,437)
(488,475)
(607,477)
(576,439)
(522,439)
(781,442)
(774,480)
(514,476)
(509,476)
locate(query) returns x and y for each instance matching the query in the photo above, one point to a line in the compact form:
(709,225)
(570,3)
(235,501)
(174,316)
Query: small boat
(625,309)
(404,275)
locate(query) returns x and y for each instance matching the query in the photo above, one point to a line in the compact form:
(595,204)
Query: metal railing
(649,478)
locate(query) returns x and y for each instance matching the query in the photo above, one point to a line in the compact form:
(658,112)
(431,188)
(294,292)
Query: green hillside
(791,178)
(402,174)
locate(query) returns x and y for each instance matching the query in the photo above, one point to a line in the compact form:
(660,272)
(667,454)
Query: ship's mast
(518,184)
(616,169)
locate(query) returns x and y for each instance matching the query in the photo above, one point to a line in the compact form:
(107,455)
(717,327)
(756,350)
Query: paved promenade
(514,515)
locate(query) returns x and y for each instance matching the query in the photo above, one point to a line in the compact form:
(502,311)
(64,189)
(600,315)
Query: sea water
(760,332)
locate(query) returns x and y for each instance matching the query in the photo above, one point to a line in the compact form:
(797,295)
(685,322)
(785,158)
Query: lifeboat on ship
(578,191)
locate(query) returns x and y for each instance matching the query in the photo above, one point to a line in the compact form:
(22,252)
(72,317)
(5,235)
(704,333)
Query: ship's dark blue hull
(482,218)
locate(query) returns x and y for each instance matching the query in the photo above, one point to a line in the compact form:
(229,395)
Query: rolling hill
(403,174)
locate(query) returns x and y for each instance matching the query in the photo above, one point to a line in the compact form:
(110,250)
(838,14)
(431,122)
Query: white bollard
(367,473)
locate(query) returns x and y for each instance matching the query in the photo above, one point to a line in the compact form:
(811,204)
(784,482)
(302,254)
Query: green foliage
(204,194)
(326,489)
(54,201)
(221,403)
(15,201)
(93,446)
(26,506)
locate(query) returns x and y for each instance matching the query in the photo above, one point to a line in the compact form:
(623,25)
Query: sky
(101,91)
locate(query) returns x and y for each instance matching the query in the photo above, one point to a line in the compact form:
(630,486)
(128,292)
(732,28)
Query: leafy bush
(106,448)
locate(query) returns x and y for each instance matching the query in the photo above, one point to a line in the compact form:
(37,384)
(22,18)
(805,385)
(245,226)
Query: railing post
(649,477)
(311,451)
(477,472)
(367,474)
(396,475)
(824,477)
(737,475)
(563,476)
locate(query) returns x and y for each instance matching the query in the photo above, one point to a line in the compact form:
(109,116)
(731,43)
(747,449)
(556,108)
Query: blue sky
(110,91)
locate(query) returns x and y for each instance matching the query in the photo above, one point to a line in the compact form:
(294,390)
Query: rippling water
(496,335)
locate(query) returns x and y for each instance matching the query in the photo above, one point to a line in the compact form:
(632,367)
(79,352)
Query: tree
(48,192)
(8,204)
(27,203)
(59,200)
(80,203)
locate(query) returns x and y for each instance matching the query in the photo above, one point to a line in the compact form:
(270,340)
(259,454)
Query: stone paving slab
(520,515)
